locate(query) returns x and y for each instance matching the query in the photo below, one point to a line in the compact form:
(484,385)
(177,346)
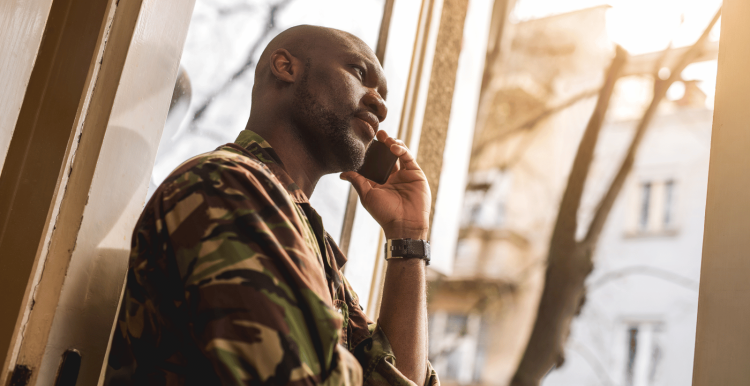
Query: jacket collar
(257,147)
(260,149)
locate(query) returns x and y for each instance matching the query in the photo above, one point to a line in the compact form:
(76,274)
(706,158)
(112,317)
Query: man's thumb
(358,182)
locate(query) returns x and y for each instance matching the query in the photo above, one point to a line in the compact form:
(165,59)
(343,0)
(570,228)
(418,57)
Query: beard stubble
(327,134)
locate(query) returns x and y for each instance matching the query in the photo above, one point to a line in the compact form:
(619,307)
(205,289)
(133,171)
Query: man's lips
(371,121)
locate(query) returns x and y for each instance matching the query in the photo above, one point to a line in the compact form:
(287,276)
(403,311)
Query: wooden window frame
(114,92)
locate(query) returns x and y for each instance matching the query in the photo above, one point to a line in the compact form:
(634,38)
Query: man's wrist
(414,234)
(419,263)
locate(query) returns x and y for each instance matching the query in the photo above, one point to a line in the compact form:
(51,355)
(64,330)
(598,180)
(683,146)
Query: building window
(485,199)
(473,200)
(643,355)
(645,206)
(654,208)
(455,327)
(457,350)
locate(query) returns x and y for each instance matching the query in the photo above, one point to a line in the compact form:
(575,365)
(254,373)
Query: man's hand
(402,205)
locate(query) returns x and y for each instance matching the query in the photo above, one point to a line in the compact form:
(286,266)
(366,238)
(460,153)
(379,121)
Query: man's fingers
(359,182)
(398,148)
(405,157)
(383,137)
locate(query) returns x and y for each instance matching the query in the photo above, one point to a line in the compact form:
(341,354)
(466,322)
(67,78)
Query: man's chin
(346,152)
(353,163)
(352,158)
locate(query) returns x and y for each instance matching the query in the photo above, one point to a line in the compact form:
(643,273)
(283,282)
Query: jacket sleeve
(249,297)
(373,350)
(379,363)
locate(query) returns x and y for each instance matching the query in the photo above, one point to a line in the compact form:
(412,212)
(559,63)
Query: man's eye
(361,72)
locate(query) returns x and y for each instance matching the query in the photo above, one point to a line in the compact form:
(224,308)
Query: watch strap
(407,249)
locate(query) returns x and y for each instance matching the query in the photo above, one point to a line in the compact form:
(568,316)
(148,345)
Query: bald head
(307,42)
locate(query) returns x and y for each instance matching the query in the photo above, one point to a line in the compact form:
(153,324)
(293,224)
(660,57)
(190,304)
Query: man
(233,279)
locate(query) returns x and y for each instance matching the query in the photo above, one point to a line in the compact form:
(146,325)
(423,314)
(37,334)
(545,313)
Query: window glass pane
(632,351)
(643,354)
(668,203)
(645,205)
(225,40)
(483,342)
(456,324)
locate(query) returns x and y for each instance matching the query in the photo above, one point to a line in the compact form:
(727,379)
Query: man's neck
(301,167)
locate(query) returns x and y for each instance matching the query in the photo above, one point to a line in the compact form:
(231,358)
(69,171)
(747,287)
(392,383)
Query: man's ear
(284,66)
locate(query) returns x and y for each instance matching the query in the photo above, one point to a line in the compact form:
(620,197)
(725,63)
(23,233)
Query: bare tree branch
(644,64)
(234,9)
(636,66)
(249,60)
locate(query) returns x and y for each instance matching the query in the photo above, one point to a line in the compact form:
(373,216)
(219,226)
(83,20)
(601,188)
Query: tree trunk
(567,268)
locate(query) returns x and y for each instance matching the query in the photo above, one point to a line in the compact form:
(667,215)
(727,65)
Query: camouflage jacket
(234,281)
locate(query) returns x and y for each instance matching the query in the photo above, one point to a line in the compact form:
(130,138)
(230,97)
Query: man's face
(339,103)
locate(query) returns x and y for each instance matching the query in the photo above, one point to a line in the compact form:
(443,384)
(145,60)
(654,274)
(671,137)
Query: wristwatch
(407,249)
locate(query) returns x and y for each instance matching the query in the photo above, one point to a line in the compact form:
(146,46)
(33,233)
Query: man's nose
(376,104)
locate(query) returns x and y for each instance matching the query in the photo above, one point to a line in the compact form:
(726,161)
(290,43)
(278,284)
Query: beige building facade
(523,148)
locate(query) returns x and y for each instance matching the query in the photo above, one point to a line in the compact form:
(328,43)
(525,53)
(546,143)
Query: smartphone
(379,161)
